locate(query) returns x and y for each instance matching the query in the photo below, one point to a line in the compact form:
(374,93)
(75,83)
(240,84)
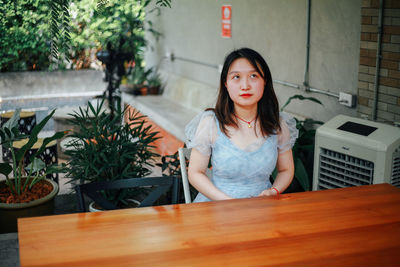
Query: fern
(101,4)
(164,3)
(60,27)
(60,31)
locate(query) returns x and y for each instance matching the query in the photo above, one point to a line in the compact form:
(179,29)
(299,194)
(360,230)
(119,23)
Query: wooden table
(356,226)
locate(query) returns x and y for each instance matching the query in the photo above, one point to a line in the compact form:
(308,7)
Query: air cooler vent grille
(395,180)
(340,170)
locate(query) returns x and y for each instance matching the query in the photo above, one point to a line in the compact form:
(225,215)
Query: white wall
(275,28)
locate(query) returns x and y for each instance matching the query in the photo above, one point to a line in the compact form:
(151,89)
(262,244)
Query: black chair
(158,185)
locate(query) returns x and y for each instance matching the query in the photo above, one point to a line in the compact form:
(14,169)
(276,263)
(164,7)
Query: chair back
(184,154)
(161,186)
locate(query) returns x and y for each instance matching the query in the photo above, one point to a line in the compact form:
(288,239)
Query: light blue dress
(237,172)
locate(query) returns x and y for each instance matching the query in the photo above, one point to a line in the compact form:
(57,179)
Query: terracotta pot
(154,90)
(143,91)
(9,213)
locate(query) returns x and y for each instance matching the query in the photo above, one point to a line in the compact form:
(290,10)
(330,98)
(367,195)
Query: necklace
(248,122)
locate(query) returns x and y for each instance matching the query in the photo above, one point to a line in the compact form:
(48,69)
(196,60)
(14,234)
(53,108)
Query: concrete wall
(277,29)
(33,83)
(43,91)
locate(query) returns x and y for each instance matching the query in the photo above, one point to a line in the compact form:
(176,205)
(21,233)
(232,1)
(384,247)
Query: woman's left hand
(268,192)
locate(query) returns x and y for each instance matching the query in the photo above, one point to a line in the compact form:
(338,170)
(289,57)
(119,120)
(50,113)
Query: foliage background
(24,35)
(26,39)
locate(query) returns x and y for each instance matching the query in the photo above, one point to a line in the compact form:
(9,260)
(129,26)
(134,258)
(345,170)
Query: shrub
(103,149)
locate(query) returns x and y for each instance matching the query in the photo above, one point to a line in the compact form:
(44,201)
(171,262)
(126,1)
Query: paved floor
(9,254)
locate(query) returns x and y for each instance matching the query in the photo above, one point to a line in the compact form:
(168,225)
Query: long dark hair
(268,106)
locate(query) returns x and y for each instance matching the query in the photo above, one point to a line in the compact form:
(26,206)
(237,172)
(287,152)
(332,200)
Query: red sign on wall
(227,21)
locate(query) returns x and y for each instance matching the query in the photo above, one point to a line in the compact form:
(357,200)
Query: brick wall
(388,107)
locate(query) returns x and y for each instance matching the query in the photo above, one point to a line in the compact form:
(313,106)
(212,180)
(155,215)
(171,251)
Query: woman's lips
(246,95)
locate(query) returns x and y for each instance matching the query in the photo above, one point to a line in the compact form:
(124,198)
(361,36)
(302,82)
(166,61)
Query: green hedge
(25,32)
(24,35)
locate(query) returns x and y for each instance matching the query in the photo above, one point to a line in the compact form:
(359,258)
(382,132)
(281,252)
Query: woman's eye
(253,75)
(235,77)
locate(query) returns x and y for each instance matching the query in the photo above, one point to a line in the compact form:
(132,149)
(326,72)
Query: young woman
(244,134)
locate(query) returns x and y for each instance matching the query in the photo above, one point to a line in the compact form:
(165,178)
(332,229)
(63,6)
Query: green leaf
(13,121)
(15,131)
(164,3)
(36,165)
(8,133)
(274,173)
(300,174)
(5,168)
(309,148)
(46,141)
(2,136)
(55,168)
(300,97)
(312,121)
(33,137)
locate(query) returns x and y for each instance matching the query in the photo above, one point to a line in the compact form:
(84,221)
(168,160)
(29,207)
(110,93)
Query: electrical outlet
(346,99)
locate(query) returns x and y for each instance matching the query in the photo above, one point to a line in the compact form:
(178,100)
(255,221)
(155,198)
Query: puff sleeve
(201,132)
(288,134)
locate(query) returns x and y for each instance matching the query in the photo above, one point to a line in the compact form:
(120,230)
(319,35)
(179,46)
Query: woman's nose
(245,85)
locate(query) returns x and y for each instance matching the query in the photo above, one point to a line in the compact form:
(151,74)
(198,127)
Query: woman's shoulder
(287,120)
(201,131)
(208,113)
(204,119)
(289,132)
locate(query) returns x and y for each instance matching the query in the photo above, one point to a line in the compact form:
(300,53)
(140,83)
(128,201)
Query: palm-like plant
(170,166)
(303,149)
(104,149)
(25,177)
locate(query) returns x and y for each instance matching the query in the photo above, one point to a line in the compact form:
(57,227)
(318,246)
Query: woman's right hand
(268,192)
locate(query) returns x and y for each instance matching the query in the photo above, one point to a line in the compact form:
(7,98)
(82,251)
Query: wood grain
(350,226)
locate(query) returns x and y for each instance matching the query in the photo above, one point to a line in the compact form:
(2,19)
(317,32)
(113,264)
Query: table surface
(350,226)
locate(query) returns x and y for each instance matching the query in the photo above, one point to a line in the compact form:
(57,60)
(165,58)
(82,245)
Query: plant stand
(26,123)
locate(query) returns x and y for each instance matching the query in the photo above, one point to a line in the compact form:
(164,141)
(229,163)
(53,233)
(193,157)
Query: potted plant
(104,149)
(137,80)
(303,150)
(27,193)
(170,166)
(154,82)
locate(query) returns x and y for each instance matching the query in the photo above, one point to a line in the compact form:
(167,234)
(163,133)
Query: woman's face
(245,85)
